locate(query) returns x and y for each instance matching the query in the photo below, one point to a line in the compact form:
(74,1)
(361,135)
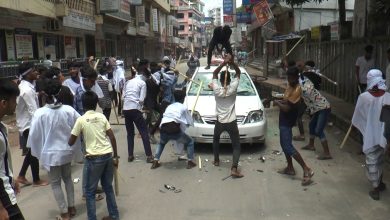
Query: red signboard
(263,12)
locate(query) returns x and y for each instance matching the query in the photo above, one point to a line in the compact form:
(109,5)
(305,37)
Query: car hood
(206,104)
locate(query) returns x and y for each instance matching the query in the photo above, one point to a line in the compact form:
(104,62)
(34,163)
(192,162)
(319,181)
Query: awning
(286,37)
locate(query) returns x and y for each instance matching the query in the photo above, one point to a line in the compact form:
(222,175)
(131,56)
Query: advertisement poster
(109,6)
(155,19)
(9,40)
(70,47)
(140,15)
(228,7)
(24,48)
(263,12)
(228,20)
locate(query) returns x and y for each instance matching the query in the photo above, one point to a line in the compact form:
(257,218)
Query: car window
(245,87)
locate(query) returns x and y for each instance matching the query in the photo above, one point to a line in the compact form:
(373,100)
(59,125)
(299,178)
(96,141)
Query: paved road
(340,190)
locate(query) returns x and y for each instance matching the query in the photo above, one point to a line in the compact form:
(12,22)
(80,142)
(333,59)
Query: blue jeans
(100,168)
(318,123)
(179,137)
(286,140)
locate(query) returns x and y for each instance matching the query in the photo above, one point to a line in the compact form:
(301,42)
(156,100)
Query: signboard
(315,33)
(243,17)
(143,30)
(334,31)
(135,2)
(263,12)
(9,41)
(228,20)
(124,12)
(250,2)
(155,19)
(23,43)
(228,7)
(80,21)
(107,6)
(140,14)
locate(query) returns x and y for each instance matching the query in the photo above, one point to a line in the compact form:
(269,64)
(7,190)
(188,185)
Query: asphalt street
(340,188)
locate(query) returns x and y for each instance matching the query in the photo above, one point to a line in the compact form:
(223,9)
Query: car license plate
(225,135)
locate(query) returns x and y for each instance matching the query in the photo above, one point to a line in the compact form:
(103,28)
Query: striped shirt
(106,87)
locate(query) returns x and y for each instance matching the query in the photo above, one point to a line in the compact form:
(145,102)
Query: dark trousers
(14,212)
(132,117)
(232,129)
(30,160)
(116,97)
(107,113)
(162,108)
(213,43)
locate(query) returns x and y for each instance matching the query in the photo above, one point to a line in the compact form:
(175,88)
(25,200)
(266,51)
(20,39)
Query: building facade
(216,14)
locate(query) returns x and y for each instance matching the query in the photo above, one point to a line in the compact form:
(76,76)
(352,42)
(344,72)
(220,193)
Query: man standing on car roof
(225,98)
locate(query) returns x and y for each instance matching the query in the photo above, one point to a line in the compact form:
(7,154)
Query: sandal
(298,138)
(307,178)
(324,157)
(285,171)
(98,197)
(307,147)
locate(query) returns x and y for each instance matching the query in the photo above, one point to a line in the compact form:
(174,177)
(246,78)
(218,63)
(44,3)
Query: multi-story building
(216,13)
(190,15)
(68,29)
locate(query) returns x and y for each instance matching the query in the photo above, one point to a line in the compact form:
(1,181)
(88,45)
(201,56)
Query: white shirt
(134,93)
(178,113)
(27,104)
(388,76)
(6,172)
(364,66)
(366,119)
(47,63)
(119,78)
(72,85)
(225,102)
(50,130)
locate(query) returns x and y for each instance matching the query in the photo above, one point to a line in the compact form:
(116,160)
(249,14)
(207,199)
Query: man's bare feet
(23,180)
(40,183)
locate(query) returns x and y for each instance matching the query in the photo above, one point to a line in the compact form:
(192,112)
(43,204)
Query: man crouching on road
(225,98)
(173,124)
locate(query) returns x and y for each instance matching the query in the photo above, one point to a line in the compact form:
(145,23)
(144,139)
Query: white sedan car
(251,118)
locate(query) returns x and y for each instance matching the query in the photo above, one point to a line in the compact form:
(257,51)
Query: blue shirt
(168,84)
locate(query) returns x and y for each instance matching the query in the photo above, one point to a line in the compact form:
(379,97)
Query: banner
(228,7)
(23,43)
(263,12)
(140,15)
(228,20)
(9,41)
(243,17)
(155,19)
(135,2)
(109,6)
(249,2)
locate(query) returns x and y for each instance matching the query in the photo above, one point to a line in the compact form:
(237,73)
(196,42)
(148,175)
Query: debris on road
(260,171)
(76,180)
(177,191)
(161,191)
(207,160)
(225,178)
(169,187)
(276,152)
(262,158)
(325,172)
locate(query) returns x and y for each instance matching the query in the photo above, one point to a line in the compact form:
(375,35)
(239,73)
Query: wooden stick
(113,107)
(97,62)
(346,136)
(116,182)
(225,81)
(200,162)
(197,97)
(296,44)
(178,60)
(188,78)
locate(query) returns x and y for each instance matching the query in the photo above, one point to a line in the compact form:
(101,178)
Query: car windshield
(245,87)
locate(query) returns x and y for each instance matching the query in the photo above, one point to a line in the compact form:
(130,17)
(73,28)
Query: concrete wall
(37,7)
(305,18)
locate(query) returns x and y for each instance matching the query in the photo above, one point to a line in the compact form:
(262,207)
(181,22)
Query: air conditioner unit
(53,25)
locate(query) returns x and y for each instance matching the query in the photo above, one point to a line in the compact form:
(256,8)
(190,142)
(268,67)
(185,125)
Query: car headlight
(197,118)
(254,116)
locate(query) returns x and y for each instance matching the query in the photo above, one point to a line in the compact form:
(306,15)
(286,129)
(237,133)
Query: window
(180,15)
(181,28)
(190,15)
(132,11)
(147,15)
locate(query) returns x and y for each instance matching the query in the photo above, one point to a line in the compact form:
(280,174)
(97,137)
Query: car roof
(212,68)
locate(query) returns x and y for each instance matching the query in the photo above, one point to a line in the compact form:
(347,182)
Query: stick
(346,137)
(225,81)
(296,44)
(116,182)
(188,78)
(197,97)
(200,162)
(97,62)
(178,60)
(113,107)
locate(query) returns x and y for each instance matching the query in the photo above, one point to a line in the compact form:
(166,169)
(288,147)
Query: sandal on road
(324,157)
(98,197)
(307,147)
(286,171)
(307,178)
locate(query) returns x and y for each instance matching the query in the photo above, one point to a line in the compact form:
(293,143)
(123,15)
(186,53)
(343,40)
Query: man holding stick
(225,98)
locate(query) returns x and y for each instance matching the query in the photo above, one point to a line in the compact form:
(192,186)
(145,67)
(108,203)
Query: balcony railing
(85,6)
